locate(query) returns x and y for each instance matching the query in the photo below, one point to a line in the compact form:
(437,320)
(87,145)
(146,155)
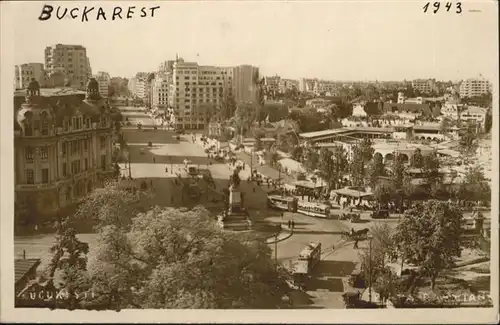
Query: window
(45,175)
(65,169)
(44,152)
(30,176)
(64,148)
(103,162)
(73,168)
(36,126)
(85,145)
(28,154)
(103,142)
(74,147)
(86,164)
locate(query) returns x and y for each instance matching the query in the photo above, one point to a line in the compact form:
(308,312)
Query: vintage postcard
(252,161)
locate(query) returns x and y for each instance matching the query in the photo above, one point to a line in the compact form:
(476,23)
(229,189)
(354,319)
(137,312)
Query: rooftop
(23,266)
(52,92)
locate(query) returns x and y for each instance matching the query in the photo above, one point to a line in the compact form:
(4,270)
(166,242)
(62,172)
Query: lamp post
(370,237)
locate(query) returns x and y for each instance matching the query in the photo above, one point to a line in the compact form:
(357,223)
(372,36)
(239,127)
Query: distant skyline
(327,40)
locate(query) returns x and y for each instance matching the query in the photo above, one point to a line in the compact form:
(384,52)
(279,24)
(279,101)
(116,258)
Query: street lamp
(370,237)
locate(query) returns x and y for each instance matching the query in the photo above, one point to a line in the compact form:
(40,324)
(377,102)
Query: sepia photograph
(252,161)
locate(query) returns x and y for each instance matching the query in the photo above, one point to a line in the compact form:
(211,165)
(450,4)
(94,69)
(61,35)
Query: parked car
(380,214)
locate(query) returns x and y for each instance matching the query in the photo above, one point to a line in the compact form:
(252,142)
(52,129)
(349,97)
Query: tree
(111,91)
(475,187)
(383,194)
(117,203)
(273,158)
(417,160)
(468,139)
(357,167)
(429,236)
(68,266)
(297,153)
(312,159)
(398,179)
(173,259)
(258,144)
(376,169)
(367,151)
(488,121)
(430,168)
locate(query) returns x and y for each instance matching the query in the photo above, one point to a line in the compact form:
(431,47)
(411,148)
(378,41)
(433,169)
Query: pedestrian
(154,160)
(293,224)
(356,243)
(166,170)
(289,224)
(282,215)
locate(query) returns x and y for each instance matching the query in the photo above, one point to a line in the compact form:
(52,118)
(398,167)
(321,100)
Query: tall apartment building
(425,86)
(73,59)
(63,144)
(103,78)
(137,85)
(27,71)
(245,88)
(196,90)
(474,87)
(161,88)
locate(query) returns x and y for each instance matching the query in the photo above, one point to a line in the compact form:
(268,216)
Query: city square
(178,181)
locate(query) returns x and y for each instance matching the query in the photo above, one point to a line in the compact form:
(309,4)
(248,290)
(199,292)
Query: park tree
(67,269)
(117,203)
(376,169)
(312,160)
(258,144)
(383,194)
(417,160)
(174,259)
(357,166)
(398,172)
(431,167)
(297,153)
(429,236)
(475,187)
(367,150)
(329,166)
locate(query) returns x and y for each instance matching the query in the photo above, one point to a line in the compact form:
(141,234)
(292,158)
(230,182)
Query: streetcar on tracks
(308,258)
(285,203)
(314,209)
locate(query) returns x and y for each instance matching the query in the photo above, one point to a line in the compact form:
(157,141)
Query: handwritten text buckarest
(88,13)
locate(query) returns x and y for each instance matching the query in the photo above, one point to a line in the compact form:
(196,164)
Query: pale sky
(363,40)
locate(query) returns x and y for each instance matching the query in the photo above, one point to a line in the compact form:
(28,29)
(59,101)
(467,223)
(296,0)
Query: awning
(352,193)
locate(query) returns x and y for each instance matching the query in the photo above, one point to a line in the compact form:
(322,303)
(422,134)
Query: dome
(93,90)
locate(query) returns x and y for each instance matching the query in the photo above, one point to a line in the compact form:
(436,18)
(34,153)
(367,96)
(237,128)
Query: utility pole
(251,164)
(276,251)
(129,167)
(370,272)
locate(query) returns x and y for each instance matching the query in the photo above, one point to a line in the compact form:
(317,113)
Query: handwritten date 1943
(99,13)
(450,6)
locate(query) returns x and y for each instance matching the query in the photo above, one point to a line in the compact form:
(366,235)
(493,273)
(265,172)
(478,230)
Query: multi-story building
(103,78)
(245,88)
(306,85)
(272,84)
(27,71)
(137,85)
(198,93)
(63,142)
(474,87)
(73,59)
(425,86)
(287,85)
(161,88)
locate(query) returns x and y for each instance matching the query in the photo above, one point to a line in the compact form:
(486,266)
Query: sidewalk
(285,233)
(264,169)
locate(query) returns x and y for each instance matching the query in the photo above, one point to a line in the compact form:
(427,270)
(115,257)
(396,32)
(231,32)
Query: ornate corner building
(63,141)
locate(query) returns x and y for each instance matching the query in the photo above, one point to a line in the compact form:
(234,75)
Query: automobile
(180,131)
(380,214)
(355,217)
(178,138)
(150,144)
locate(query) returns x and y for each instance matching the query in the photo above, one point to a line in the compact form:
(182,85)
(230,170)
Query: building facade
(272,84)
(425,86)
(73,59)
(27,71)
(245,88)
(198,93)
(474,87)
(103,78)
(63,142)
